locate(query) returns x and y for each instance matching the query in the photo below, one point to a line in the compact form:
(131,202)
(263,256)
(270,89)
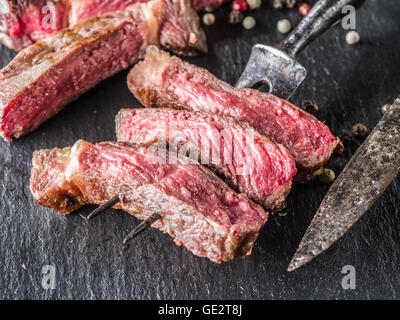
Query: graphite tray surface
(349,83)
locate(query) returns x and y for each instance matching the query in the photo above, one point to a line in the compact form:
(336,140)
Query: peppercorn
(253,4)
(339,148)
(352,37)
(283,26)
(359,130)
(239,5)
(318,172)
(209,19)
(69,201)
(235,17)
(303,8)
(283,207)
(385,108)
(346,137)
(249,23)
(310,106)
(327,176)
(279,4)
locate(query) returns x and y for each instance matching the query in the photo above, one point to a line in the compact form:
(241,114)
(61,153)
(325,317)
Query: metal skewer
(114,200)
(143,226)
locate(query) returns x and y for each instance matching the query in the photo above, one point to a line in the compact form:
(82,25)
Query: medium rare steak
(46,76)
(84,9)
(22,23)
(248,161)
(164,81)
(198,210)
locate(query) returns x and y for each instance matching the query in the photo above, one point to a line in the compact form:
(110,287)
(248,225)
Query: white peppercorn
(284,26)
(249,23)
(209,19)
(352,37)
(254,4)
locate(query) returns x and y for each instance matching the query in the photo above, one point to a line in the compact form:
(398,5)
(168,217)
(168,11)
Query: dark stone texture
(349,83)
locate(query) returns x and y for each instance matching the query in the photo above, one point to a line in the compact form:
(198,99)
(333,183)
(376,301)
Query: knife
(276,66)
(366,176)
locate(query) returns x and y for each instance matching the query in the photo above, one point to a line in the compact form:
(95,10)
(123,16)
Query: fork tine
(114,200)
(143,226)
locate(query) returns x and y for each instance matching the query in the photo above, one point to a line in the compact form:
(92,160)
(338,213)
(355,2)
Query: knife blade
(363,180)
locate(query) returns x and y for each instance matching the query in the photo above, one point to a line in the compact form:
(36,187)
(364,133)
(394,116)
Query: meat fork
(277,66)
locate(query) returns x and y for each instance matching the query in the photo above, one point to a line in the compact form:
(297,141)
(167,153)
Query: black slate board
(349,84)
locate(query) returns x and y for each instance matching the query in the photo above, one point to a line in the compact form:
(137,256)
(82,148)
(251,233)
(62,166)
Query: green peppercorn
(327,176)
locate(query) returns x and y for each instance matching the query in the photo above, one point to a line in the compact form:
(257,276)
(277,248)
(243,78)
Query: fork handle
(322,15)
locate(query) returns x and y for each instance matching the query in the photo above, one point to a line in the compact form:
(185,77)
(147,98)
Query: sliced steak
(25,22)
(207,5)
(22,23)
(198,209)
(46,76)
(85,9)
(164,81)
(248,161)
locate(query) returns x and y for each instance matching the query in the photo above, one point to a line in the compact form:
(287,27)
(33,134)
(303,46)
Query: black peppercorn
(359,130)
(346,137)
(69,201)
(282,208)
(235,17)
(279,4)
(310,106)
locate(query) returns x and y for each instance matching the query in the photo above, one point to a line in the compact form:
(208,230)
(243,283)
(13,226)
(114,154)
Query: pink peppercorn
(239,5)
(304,8)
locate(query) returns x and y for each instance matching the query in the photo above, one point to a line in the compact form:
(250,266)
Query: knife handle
(322,15)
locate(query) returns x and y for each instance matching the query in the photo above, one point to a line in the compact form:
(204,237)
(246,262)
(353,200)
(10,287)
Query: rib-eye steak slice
(164,81)
(46,76)
(198,209)
(22,23)
(248,161)
(84,9)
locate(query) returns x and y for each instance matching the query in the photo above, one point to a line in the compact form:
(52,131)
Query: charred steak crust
(25,22)
(198,209)
(164,81)
(247,160)
(46,76)
(180,30)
